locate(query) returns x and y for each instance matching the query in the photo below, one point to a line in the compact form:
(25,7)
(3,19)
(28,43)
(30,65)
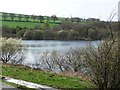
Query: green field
(13,20)
(29,25)
(13,24)
(45,78)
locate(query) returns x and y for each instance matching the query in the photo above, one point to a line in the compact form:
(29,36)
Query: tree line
(63,31)
(27,18)
(41,19)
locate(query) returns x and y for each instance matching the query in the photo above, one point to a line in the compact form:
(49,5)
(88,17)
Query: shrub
(103,64)
(11,50)
(20,33)
(28,35)
(62,34)
(73,35)
(38,34)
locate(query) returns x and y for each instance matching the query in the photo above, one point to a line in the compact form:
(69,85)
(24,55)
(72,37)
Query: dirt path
(4,86)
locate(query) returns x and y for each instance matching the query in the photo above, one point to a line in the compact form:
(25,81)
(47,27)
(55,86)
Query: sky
(62,8)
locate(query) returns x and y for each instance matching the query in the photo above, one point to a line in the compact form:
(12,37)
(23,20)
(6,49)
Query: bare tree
(58,59)
(74,60)
(46,61)
(103,62)
(11,50)
(61,61)
(53,61)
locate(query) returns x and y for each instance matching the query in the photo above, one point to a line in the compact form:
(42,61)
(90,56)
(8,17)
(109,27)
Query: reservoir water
(36,47)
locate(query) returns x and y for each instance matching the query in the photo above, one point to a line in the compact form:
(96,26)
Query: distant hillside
(31,21)
(33,27)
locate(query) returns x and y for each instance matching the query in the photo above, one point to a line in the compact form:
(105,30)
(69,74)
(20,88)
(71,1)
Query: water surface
(36,47)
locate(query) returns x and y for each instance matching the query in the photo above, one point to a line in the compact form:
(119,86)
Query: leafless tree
(46,61)
(11,50)
(103,63)
(73,60)
(56,60)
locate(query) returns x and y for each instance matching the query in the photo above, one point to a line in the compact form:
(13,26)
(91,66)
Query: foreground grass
(44,78)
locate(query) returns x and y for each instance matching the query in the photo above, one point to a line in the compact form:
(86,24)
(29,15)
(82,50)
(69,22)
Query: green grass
(45,78)
(29,25)
(13,24)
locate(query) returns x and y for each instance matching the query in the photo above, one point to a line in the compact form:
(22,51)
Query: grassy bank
(44,78)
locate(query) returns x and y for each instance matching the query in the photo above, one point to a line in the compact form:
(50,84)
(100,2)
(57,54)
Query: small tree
(62,34)
(47,18)
(72,19)
(12,16)
(54,17)
(92,34)
(103,62)
(4,15)
(73,60)
(20,33)
(73,35)
(46,61)
(41,18)
(55,60)
(19,17)
(34,17)
(38,35)
(26,17)
(46,25)
(11,50)
(49,34)
(28,35)
(77,19)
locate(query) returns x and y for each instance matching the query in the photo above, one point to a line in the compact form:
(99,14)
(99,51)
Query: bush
(62,34)
(11,50)
(49,34)
(28,35)
(67,35)
(73,35)
(37,34)
(20,33)
(62,61)
(103,64)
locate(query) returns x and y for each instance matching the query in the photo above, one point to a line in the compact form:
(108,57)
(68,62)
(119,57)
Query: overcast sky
(62,8)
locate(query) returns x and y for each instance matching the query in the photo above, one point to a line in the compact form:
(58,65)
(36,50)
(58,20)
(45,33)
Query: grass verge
(44,78)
